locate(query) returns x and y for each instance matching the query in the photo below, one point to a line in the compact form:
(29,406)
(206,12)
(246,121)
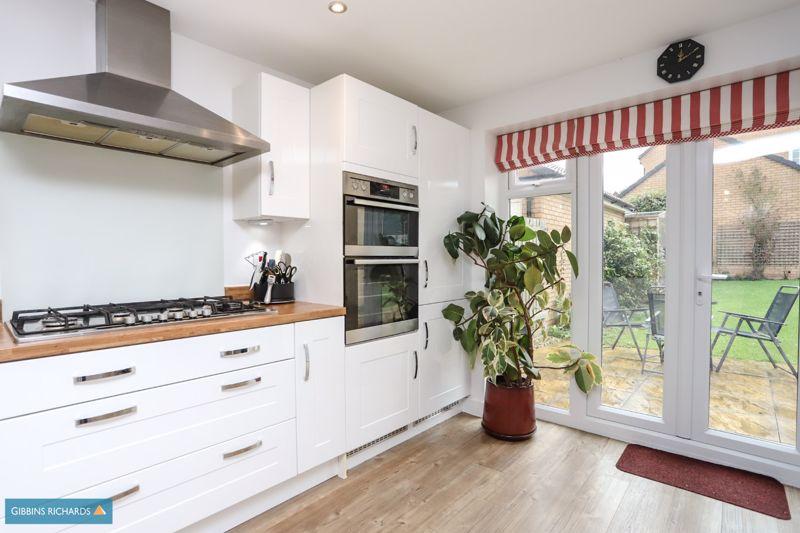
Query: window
(554,173)
(794,156)
(543,195)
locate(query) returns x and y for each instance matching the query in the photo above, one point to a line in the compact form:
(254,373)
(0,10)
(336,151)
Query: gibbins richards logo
(99,511)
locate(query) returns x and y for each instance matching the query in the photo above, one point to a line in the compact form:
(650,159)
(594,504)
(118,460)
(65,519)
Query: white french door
(745,283)
(631,273)
(657,283)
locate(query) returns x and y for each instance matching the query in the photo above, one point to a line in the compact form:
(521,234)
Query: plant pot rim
(506,386)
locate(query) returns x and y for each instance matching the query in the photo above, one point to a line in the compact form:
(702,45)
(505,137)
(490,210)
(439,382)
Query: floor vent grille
(377,441)
(440,411)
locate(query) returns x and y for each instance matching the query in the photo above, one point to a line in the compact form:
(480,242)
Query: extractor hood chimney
(128,104)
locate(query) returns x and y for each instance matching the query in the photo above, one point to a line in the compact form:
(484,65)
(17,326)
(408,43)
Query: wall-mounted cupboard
(276,185)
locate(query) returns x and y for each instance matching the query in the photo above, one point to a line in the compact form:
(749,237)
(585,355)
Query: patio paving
(747,397)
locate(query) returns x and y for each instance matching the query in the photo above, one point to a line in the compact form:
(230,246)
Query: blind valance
(765,102)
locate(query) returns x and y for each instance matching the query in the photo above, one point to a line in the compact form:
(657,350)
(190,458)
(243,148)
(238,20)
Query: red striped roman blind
(765,102)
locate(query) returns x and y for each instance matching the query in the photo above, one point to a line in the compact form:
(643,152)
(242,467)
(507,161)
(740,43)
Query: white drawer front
(175,494)
(61,451)
(203,483)
(75,378)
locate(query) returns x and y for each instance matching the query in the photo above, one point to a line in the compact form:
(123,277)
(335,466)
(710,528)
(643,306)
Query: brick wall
(732,243)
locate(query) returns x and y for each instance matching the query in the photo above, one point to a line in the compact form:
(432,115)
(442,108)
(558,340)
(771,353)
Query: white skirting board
(255,505)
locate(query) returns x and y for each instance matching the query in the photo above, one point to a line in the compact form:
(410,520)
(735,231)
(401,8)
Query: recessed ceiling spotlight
(337,7)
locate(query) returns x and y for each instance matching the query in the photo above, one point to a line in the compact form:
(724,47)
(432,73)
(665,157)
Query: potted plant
(524,293)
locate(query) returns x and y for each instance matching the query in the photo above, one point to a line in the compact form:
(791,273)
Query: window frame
(551,188)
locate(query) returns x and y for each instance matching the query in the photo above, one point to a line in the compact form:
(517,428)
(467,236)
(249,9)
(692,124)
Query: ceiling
(442,54)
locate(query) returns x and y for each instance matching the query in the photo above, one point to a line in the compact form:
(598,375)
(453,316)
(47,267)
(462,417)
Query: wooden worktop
(10,350)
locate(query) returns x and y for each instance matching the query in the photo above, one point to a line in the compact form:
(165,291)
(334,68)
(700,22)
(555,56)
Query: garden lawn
(739,296)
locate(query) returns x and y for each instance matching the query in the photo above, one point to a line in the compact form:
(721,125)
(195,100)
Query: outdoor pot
(508,412)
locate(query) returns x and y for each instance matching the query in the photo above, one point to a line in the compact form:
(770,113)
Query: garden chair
(762,329)
(656,306)
(624,318)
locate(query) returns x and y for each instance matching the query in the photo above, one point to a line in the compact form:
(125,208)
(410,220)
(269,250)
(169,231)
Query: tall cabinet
(443,196)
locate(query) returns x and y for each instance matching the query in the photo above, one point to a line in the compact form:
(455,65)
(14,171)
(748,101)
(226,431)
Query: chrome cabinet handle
(107,416)
(427,277)
(416,364)
(416,139)
(240,384)
(240,351)
(271,166)
(104,375)
(308,361)
(124,493)
(240,451)
(426,335)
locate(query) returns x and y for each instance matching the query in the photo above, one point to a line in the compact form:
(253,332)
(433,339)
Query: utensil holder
(281,292)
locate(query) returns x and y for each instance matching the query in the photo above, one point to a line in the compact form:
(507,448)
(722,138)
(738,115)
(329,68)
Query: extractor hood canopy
(128,105)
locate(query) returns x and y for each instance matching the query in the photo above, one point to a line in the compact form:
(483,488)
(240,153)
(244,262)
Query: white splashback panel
(90,225)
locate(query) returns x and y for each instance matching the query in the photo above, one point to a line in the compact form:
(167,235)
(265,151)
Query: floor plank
(454,478)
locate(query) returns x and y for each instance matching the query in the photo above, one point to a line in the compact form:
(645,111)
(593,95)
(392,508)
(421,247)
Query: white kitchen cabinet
(443,367)
(276,184)
(443,196)
(381,130)
(320,378)
(382,380)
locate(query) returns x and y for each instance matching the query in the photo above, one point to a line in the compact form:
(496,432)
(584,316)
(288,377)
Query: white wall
(80,224)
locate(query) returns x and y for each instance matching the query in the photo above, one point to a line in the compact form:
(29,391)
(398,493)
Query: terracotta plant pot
(508,412)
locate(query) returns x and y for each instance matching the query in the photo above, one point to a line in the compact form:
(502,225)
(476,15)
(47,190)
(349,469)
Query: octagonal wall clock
(680,61)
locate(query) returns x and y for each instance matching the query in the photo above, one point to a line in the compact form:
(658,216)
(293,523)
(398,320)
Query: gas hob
(50,323)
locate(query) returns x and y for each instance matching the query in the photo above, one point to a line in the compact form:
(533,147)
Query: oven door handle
(384,205)
(383,261)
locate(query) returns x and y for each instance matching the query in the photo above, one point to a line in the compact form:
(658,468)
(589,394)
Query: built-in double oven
(381,274)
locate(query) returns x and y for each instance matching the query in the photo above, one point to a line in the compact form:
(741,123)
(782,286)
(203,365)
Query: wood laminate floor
(455,478)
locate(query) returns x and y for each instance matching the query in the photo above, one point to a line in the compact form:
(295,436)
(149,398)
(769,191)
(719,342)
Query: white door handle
(699,286)
(711,277)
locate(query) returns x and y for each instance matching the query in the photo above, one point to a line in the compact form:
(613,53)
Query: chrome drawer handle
(240,351)
(124,493)
(99,418)
(104,375)
(240,451)
(240,384)
(308,362)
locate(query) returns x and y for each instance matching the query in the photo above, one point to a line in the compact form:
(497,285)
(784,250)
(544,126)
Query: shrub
(650,201)
(631,262)
(761,220)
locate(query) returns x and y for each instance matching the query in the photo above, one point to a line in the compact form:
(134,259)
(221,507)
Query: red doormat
(752,491)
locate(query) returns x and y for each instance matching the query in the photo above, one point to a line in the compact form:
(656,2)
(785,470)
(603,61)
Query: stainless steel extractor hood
(128,104)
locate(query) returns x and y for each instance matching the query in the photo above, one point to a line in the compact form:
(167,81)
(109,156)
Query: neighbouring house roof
(641,180)
(730,140)
(617,201)
(542,172)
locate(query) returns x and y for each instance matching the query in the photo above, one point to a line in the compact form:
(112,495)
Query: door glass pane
(754,317)
(634,229)
(550,212)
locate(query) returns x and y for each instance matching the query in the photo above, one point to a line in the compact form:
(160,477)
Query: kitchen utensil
(270,283)
(255,260)
(284,273)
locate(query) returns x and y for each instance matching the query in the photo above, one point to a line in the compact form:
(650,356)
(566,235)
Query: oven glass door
(381,297)
(374,228)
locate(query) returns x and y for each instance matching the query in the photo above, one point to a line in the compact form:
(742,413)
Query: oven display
(384,191)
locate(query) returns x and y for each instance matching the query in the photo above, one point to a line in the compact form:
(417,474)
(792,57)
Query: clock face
(680,61)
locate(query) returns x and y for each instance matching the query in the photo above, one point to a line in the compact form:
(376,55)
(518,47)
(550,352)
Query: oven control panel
(379,189)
